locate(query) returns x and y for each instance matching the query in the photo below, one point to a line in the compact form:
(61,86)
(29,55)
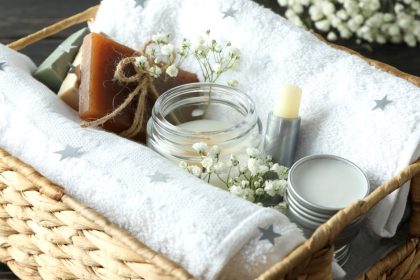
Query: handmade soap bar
(99,94)
(69,90)
(54,69)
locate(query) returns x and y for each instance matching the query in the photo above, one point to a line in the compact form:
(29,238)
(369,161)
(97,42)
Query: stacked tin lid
(320,186)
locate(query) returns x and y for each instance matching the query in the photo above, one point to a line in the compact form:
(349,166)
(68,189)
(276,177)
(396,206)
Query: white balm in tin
(318,187)
(329,182)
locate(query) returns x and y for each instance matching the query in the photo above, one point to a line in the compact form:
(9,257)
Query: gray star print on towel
(269,234)
(381,103)
(70,151)
(139,3)
(2,66)
(231,12)
(158,177)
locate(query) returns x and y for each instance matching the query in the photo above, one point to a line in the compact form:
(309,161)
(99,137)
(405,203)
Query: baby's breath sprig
(258,179)
(161,56)
(214,58)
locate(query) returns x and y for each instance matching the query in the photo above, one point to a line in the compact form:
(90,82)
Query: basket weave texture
(46,234)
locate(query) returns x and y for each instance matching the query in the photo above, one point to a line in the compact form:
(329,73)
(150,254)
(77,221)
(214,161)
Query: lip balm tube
(283,123)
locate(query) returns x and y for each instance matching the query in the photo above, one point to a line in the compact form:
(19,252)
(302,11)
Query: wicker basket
(46,234)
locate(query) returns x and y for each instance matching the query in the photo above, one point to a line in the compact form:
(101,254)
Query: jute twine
(144,81)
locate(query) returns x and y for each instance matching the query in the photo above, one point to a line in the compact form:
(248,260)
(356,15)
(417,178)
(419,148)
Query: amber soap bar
(99,94)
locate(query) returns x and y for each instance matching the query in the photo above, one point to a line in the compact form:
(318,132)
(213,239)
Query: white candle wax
(329,182)
(205,125)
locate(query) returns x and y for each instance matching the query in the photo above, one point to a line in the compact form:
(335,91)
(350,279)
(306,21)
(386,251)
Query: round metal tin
(310,205)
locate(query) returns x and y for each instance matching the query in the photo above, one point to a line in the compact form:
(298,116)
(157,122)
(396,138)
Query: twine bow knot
(144,84)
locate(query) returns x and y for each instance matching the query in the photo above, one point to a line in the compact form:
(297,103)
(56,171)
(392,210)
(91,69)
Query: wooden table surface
(22,17)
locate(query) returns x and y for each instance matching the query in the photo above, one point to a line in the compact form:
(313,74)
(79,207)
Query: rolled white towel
(204,229)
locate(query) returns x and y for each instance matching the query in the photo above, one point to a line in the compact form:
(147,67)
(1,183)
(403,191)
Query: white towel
(203,228)
(339,89)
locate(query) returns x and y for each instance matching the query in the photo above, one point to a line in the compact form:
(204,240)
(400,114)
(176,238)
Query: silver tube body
(281,139)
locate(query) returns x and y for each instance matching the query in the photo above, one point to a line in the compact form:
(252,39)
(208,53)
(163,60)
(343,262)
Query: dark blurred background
(19,18)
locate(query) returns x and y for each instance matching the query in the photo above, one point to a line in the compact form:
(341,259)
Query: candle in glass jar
(229,121)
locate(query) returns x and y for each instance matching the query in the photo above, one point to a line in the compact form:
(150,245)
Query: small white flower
(151,52)
(236,190)
(142,62)
(328,8)
(323,25)
(252,152)
(297,8)
(248,194)
(234,160)
(331,36)
(196,171)
(161,37)
(183,164)
(233,83)
(394,30)
(342,14)
(315,13)
(410,40)
(280,186)
(263,168)
(207,163)
(172,71)
(217,67)
(155,71)
(185,44)
(182,52)
(199,41)
(259,191)
(217,48)
(233,52)
(220,168)
(167,49)
(388,17)
(280,170)
(157,60)
(244,183)
(253,166)
(398,8)
(243,168)
(200,147)
(269,188)
(214,151)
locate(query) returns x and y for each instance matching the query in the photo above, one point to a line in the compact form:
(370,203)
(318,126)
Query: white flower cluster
(214,58)
(378,21)
(161,56)
(258,180)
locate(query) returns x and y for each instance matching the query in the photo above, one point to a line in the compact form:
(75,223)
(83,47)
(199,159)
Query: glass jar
(203,112)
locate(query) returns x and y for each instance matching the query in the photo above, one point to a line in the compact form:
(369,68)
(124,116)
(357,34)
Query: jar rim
(160,120)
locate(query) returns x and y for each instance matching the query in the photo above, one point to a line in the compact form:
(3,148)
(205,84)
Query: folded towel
(203,228)
(345,109)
